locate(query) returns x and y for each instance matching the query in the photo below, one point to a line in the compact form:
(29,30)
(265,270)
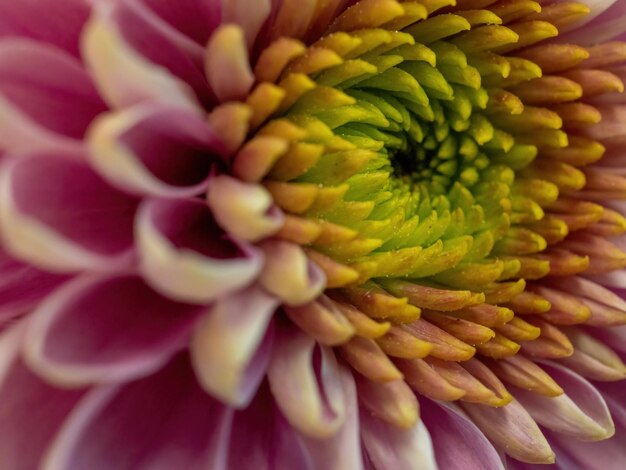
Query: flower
(311,234)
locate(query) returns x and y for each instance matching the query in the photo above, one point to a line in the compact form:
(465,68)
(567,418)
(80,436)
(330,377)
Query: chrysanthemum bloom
(312,234)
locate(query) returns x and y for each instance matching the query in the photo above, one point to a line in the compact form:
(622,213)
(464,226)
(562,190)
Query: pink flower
(302,234)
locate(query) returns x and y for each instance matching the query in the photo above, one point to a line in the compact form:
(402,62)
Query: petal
(194,18)
(56,213)
(249,14)
(154,149)
(234,337)
(245,210)
(226,64)
(343,449)
(158,42)
(186,256)
(289,274)
(104,329)
(458,443)
(512,430)
(606,21)
(389,446)
(58,22)
(163,421)
(393,402)
(304,379)
(121,74)
(22,286)
(31,411)
(580,412)
(62,100)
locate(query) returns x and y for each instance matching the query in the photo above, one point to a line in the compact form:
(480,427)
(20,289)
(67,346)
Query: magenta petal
(154,149)
(187,256)
(63,99)
(31,411)
(106,329)
(165,421)
(58,22)
(458,443)
(55,212)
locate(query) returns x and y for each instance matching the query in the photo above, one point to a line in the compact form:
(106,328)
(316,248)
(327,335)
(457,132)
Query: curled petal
(226,63)
(234,337)
(512,430)
(389,446)
(154,149)
(593,359)
(249,14)
(245,210)
(304,379)
(458,443)
(163,421)
(580,412)
(56,213)
(393,402)
(185,255)
(105,328)
(123,76)
(289,274)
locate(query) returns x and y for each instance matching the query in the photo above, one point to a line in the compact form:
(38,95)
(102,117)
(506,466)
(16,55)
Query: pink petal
(226,64)
(161,44)
(390,447)
(58,22)
(123,76)
(31,411)
(154,149)
(458,443)
(234,337)
(579,413)
(245,210)
(106,328)
(185,255)
(608,20)
(194,18)
(56,213)
(343,449)
(164,421)
(305,280)
(62,100)
(249,14)
(304,379)
(22,286)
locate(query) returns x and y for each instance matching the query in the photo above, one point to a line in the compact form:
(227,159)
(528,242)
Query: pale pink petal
(123,76)
(58,22)
(154,149)
(304,379)
(31,411)
(305,281)
(393,401)
(165,421)
(245,210)
(579,413)
(184,254)
(389,446)
(231,346)
(614,337)
(458,443)
(56,213)
(249,14)
(343,449)
(606,21)
(106,329)
(512,430)
(226,64)
(62,100)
